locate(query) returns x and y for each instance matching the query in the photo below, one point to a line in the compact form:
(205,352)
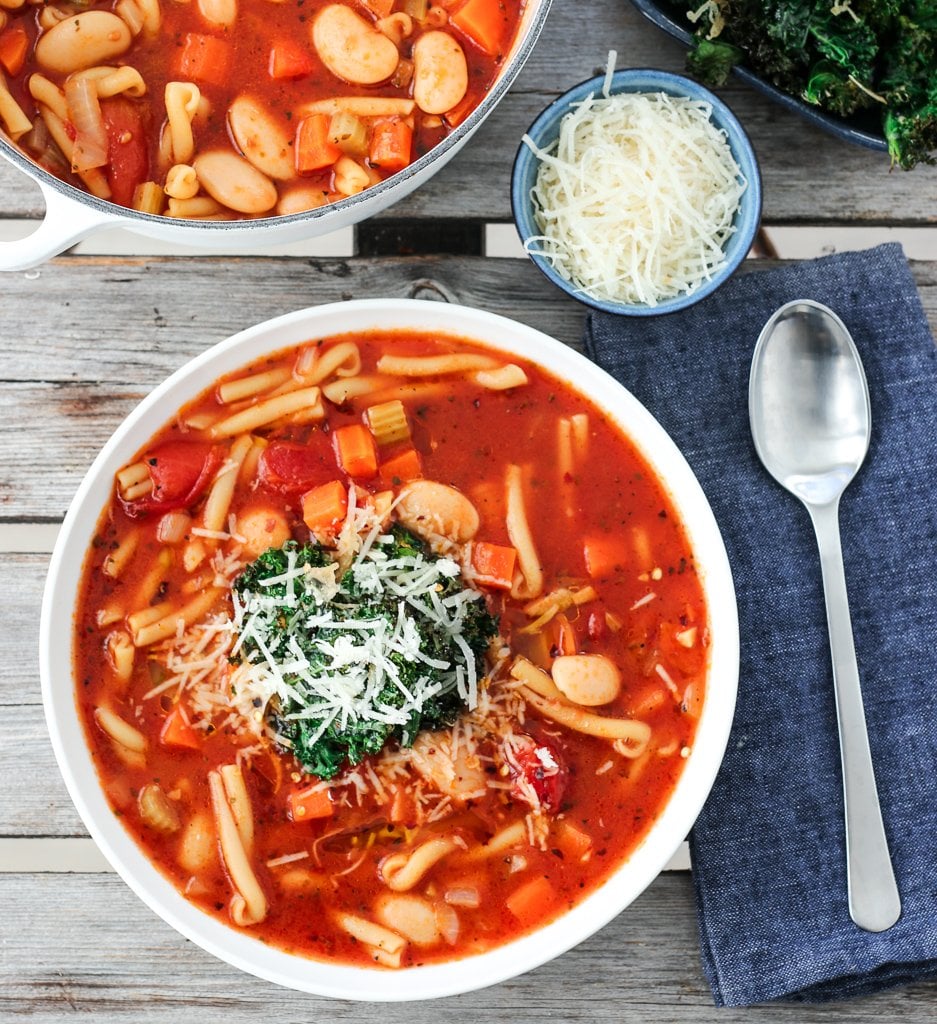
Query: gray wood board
(122,964)
(809,177)
(74,372)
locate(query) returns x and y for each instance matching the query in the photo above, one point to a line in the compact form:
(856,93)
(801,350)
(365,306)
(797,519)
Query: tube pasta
(502,378)
(361,106)
(121,652)
(341,391)
(248,904)
(129,12)
(637,734)
(168,624)
(402,871)
(246,387)
(529,581)
(110,81)
(137,620)
(232,779)
(48,93)
(182,100)
(580,425)
(120,731)
(371,934)
(268,411)
(181,182)
(431,366)
(121,556)
(201,207)
(342,360)
(215,512)
(249,465)
(11,113)
(152,15)
(564,462)
(510,836)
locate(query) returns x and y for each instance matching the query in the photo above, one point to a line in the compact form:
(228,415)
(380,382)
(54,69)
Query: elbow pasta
(569,721)
(284,107)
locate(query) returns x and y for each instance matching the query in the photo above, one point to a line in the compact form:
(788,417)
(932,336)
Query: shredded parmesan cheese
(637,197)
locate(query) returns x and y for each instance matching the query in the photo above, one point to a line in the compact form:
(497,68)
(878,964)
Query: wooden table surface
(88,335)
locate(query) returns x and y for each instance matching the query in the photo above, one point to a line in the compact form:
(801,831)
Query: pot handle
(65,223)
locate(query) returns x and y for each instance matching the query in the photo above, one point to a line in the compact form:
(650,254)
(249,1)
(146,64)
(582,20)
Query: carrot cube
(325,507)
(290,60)
(532,900)
(356,451)
(483,21)
(391,141)
(309,804)
(203,59)
(177,732)
(494,564)
(604,555)
(572,840)
(314,149)
(401,468)
(13,46)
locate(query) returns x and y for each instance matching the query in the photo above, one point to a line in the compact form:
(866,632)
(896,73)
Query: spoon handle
(874,902)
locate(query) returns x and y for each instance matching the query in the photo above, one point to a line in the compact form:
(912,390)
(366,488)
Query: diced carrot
(356,451)
(461,110)
(565,634)
(288,59)
(402,810)
(325,507)
(531,900)
(401,468)
(494,564)
(204,59)
(314,150)
(13,46)
(311,803)
(604,555)
(571,840)
(483,21)
(390,144)
(177,732)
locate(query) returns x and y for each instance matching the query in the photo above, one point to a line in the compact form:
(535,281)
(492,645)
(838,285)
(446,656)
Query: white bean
(83,40)
(260,139)
(300,199)
(440,73)
(432,509)
(235,183)
(221,13)
(352,48)
(587,679)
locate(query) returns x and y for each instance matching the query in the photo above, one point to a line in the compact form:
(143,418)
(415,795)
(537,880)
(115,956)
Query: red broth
(125,138)
(617,575)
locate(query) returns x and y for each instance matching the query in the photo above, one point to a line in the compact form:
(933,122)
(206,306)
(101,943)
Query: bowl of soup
(231,122)
(389,649)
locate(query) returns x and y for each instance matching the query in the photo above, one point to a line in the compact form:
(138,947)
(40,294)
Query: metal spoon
(808,402)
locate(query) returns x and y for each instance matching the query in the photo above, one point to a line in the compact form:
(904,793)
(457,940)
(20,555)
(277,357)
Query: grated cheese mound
(636,199)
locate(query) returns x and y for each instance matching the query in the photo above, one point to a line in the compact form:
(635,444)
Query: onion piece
(463,896)
(84,112)
(448,922)
(173,527)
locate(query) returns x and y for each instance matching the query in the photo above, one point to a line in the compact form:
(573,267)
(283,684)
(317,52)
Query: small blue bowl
(545,131)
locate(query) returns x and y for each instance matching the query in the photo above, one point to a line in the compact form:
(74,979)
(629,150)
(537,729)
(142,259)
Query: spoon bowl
(811,421)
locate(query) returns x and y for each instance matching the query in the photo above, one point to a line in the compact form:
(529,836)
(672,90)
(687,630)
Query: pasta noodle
(343,360)
(530,581)
(120,731)
(501,379)
(402,872)
(341,391)
(635,733)
(182,100)
(11,113)
(248,905)
(168,624)
(372,934)
(121,556)
(268,411)
(431,366)
(215,513)
(246,387)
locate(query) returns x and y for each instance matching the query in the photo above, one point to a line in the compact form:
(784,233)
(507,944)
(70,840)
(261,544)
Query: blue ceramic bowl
(545,131)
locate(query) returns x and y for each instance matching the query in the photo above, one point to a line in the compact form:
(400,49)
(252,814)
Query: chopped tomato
(537,766)
(14,44)
(180,471)
(290,468)
(127,159)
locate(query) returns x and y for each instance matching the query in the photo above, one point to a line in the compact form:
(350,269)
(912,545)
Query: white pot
(72,214)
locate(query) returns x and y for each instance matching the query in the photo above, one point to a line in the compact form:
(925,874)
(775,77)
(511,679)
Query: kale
(295,622)
(870,59)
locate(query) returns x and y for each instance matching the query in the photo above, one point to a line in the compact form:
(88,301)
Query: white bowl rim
(595,910)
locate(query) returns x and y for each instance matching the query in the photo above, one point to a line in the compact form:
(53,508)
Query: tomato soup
(225,109)
(390,649)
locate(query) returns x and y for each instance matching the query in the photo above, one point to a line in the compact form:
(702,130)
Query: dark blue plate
(664,16)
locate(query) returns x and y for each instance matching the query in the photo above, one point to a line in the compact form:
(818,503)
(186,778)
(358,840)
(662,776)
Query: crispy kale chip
(875,60)
(322,659)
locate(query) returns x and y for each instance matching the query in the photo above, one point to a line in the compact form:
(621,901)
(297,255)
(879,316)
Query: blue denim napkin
(768,849)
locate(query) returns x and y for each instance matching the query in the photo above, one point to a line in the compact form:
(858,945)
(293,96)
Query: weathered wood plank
(123,964)
(76,376)
(809,177)
(21,580)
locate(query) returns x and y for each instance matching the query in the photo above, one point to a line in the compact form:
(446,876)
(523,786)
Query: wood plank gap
(81,856)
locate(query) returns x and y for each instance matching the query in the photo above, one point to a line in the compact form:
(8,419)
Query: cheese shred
(636,199)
